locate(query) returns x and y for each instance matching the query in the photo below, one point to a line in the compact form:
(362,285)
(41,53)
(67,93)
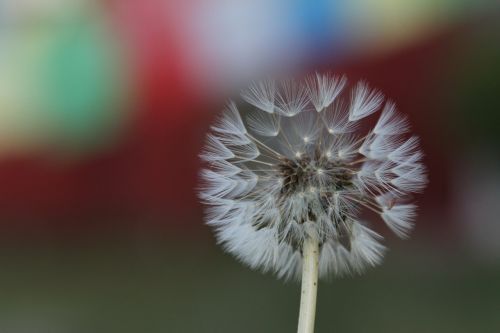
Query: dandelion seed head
(297,165)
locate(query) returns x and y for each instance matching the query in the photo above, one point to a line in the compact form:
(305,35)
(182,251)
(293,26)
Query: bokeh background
(103,109)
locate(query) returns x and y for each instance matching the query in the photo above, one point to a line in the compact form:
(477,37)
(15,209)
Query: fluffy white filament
(297,160)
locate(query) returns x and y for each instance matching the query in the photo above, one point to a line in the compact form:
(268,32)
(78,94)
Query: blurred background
(103,108)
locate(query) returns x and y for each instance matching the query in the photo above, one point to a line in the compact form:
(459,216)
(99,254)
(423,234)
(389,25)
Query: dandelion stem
(309,291)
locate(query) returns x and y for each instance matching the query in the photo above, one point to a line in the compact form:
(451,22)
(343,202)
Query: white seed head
(297,164)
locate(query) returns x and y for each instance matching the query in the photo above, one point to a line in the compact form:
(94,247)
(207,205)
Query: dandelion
(287,181)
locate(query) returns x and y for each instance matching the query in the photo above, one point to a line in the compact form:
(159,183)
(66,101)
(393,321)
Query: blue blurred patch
(323,26)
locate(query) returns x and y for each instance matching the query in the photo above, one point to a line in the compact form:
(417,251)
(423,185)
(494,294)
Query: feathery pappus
(298,163)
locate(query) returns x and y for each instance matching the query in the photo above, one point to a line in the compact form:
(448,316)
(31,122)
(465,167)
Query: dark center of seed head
(304,172)
(301,174)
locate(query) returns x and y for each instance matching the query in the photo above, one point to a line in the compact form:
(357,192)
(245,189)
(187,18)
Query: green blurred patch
(472,77)
(64,86)
(83,82)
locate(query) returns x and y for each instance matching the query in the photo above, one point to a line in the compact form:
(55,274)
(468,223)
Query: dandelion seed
(286,184)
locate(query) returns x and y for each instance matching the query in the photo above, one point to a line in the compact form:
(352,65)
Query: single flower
(287,180)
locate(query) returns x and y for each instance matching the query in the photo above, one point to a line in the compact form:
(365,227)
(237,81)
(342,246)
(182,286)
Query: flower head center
(317,172)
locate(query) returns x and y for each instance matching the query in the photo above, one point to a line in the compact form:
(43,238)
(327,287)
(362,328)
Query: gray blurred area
(193,287)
